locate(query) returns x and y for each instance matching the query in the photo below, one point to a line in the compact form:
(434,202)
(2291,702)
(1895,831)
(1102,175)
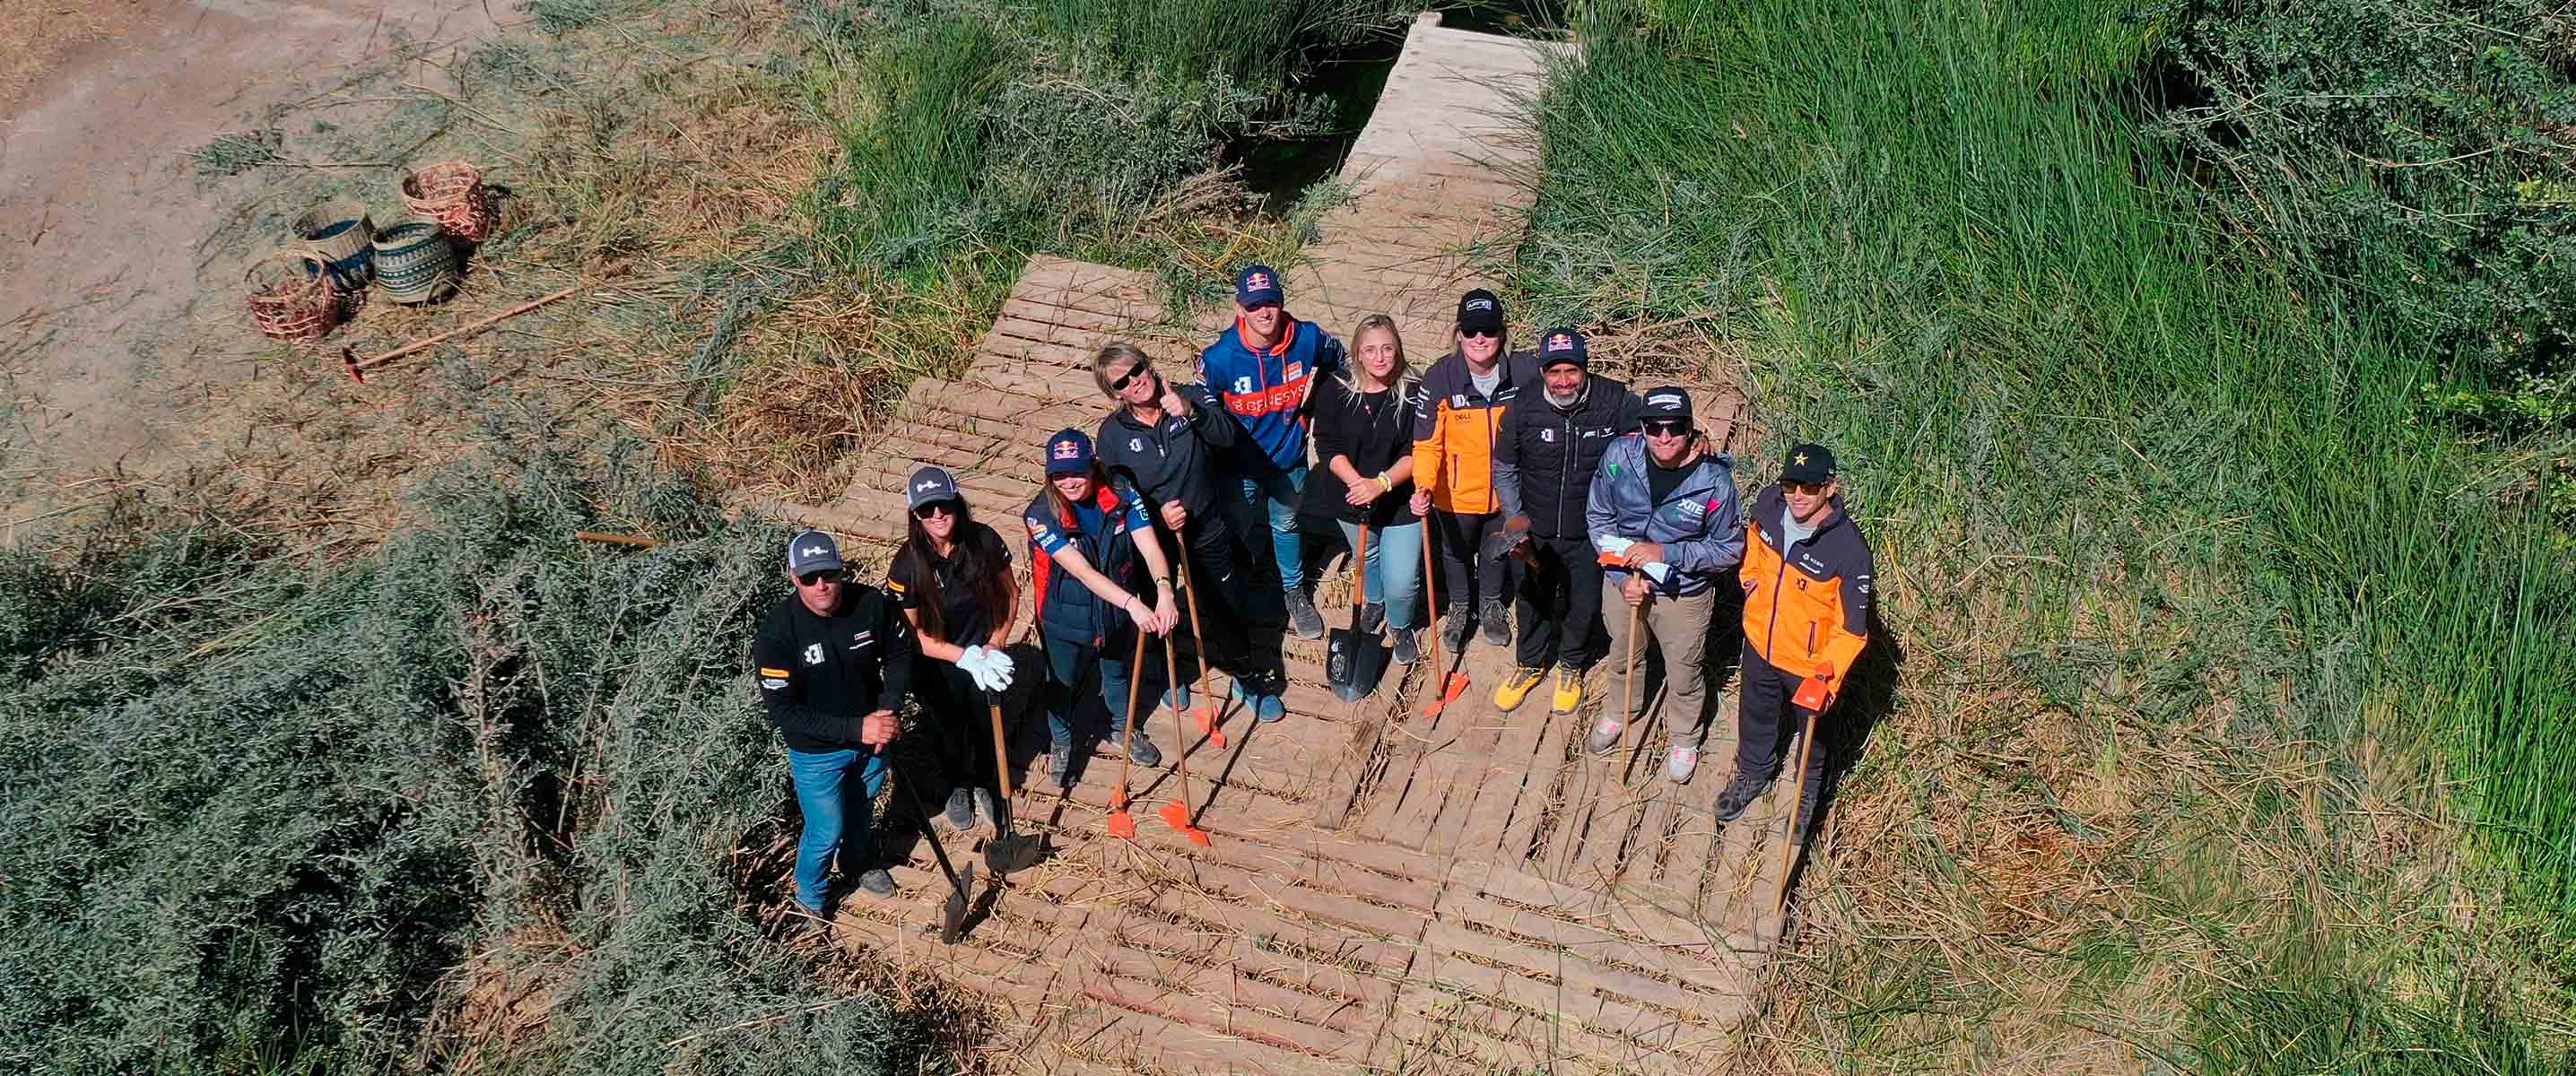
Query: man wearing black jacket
(1548,445)
(834,665)
(1162,439)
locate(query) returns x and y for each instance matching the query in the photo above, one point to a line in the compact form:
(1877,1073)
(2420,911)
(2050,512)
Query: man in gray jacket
(1664,513)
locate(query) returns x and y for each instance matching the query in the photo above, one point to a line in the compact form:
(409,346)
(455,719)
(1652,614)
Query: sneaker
(1408,647)
(1456,623)
(1497,624)
(1302,616)
(988,811)
(1569,690)
(1680,763)
(1509,694)
(1605,735)
(1372,618)
(876,882)
(1060,762)
(1739,794)
(960,815)
(1140,750)
(1265,703)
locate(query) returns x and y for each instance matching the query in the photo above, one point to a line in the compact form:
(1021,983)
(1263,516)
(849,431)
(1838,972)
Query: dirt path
(103,259)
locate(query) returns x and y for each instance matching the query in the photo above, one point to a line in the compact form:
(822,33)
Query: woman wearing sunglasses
(1363,419)
(952,579)
(1091,553)
(1666,507)
(1454,423)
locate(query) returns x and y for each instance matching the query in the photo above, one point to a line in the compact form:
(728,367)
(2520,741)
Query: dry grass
(35,34)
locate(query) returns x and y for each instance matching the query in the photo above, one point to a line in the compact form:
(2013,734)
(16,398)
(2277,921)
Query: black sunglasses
(1667,427)
(934,508)
(1120,382)
(816,579)
(1479,334)
(1803,487)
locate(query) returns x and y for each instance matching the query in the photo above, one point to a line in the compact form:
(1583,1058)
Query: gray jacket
(1700,524)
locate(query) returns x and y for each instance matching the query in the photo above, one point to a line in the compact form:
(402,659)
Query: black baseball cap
(1809,463)
(1068,452)
(931,485)
(1563,344)
(1479,309)
(813,551)
(1671,401)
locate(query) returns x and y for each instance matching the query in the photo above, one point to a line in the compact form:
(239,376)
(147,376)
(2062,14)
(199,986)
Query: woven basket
(451,194)
(296,302)
(344,234)
(414,262)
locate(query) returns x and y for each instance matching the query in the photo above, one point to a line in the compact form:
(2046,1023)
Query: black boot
(1456,623)
(1497,623)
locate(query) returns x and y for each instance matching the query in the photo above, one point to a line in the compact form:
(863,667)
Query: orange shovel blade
(1207,724)
(1196,835)
(1122,824)
(1450,689)
(1118,799)
(1177,816)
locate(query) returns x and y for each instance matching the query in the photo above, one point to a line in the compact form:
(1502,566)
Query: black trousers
(960,720)
(1765,722)
(1217,573)
(1560,604)
(1461,538)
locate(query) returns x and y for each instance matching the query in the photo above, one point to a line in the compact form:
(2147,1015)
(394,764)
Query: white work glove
(1615,545)
(1658,570)
(991,670)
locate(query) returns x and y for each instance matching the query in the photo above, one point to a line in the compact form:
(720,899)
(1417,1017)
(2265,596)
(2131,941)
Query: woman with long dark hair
(1364,448)
(952,579)
(1092,552)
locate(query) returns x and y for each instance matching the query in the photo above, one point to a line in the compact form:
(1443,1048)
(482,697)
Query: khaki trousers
(1677,630)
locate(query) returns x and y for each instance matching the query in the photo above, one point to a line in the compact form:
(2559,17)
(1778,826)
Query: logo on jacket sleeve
(1547,434)
(1135,444)
(813,653)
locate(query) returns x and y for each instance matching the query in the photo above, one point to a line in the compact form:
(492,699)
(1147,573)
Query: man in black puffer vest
(1545,452)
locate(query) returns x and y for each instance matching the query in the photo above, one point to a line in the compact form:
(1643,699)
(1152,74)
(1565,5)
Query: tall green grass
(2094,437)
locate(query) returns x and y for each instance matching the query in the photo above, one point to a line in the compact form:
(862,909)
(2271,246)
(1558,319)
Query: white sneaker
(1681,763)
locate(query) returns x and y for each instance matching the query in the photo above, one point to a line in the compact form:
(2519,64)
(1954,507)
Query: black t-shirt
(1661,481)
(963,620)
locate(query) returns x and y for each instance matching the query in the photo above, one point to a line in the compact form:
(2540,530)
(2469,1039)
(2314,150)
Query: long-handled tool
(1628,694)
(1202,704)
(1797,803)
(952,913)
(1122,824)
(1452,683)
(1350,658)
(1009,851)
(1177,813)
(349,356)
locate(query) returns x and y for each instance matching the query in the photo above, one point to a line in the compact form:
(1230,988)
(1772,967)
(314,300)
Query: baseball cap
(1667,402)
(1257,284)
(932,484)
(1068,452)
(1809,463)
(1563,344)
(1479,309)
(812,551)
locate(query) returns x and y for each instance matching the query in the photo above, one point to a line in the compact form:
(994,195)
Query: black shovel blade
(1352,662)
(1011,852)
(952,912)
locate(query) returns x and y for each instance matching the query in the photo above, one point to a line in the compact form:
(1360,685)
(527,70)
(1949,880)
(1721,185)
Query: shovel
(1008,851)
(1351,659)
(1200,705)
(1122,824)
(1797,803)
(1452,684)
(1177,813)
(952,913)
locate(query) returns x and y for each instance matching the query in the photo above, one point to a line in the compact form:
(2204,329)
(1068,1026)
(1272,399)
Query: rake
(1200,706)
(1453,683)
(1122,824)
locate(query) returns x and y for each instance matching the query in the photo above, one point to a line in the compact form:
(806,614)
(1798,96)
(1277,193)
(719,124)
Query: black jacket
(1375,443)
(1170,460)
(820,675)
(1544,455)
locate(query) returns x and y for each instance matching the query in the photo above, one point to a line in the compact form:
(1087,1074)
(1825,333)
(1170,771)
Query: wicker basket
(296,300)
(343,233)
(415,263)
(451,194)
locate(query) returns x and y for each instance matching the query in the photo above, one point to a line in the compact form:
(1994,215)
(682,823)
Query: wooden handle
(356,364)
(1359,576)
(1797,803)
(635,540)
(1001,754)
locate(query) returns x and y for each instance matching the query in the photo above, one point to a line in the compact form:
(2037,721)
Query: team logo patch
(1459,400)
(1068,450)
(813,653)
(1292,371)
(767,671)
(1562,342)
(1664,399)
(1257,282)
(1135,444)
(1242,385)
(1480,304)
(1547,434)
(1036,529)
(773,683)
(927,483)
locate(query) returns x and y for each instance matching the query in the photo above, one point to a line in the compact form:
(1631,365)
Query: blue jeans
(1395,579)
(824,795)
(1277,494)
(1069,663)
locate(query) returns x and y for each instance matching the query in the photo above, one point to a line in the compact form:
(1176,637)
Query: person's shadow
(1846,730)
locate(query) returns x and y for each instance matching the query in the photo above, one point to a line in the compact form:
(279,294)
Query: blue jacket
(1265,391)
(1700,524)
(1067,609)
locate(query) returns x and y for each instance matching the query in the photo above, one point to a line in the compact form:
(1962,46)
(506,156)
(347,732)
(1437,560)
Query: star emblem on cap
(1799,458)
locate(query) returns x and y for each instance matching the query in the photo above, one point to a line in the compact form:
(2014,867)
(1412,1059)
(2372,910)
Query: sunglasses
(1120,382)
(1479,334)
(1802,487)
(816,579)
(1669,427)
(935,508)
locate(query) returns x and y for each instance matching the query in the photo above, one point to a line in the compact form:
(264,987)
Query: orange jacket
(1807,613)
(1453,431)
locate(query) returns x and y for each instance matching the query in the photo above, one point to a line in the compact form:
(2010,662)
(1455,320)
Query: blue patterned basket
(414,262)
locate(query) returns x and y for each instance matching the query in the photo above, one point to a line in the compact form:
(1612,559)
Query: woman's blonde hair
(1403,367)
(1110,356)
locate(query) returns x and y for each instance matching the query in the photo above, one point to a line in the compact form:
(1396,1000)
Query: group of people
(1533,479)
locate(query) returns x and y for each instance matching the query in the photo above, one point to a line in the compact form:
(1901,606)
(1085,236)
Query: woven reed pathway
(1435,896)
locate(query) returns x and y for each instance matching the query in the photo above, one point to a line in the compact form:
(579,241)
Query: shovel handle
(1797,803)
(1001,754)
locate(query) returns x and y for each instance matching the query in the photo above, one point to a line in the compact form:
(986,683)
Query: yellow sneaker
(1569,690)
(1509,694)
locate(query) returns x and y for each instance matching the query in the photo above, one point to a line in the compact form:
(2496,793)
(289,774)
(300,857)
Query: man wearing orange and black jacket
(1806,578)
(1453,463)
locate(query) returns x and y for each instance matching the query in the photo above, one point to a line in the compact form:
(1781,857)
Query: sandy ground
(103,266)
